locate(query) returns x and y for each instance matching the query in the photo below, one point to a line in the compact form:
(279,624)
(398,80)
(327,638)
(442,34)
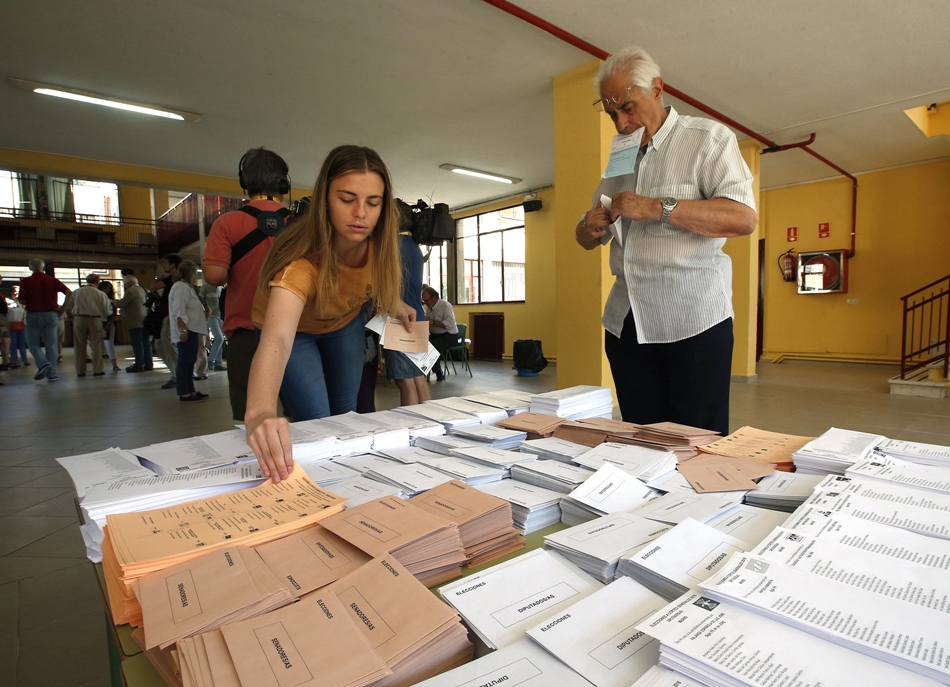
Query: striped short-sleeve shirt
(676,283)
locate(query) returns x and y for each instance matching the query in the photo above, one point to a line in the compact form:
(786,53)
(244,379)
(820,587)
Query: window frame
(461,260)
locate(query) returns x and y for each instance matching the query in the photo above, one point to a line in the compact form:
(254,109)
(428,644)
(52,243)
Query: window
(46,197)
(490,257)
(435,271)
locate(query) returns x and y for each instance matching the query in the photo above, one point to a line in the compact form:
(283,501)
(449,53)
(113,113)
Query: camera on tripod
(430,226)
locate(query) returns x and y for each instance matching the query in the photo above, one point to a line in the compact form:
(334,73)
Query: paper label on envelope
(396,338)
(623,154)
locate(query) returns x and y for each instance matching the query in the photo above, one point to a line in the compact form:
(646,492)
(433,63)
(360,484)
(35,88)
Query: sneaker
(52,377)
(219,368)
(135,368)
(196,398)
(40,373)
(170,385)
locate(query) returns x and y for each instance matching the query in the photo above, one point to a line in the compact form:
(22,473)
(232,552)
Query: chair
(462,348)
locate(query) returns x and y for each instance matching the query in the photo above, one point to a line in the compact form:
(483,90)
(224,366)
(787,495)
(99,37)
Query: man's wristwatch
(668,205)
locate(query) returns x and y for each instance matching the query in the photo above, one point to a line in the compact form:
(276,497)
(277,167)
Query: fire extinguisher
(786,263)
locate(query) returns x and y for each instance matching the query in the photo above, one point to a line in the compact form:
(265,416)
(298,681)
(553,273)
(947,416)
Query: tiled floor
(52,626)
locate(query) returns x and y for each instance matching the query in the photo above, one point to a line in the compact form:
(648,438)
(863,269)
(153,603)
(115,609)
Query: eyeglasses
(628,107)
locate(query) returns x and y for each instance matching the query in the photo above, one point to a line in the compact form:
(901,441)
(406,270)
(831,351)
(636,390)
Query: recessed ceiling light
(96,99)
(491,176)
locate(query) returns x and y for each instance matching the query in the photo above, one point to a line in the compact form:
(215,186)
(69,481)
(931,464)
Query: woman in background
(187,313)
(316,277)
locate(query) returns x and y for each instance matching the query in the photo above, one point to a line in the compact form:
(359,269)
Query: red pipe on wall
(771,146)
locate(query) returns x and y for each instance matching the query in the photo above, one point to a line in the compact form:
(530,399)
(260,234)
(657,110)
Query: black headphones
(283,184)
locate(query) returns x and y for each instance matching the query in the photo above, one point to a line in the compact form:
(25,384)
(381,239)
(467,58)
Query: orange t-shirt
(322,313)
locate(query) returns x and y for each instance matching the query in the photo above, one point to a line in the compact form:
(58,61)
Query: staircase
(925,346)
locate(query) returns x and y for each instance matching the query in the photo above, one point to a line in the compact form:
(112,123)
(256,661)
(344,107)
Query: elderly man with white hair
(133,314)
(684,190)
(38,294)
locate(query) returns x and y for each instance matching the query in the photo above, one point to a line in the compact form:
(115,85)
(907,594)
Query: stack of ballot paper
(428,545)
(314,642)
(384,435)
(883,468)
(708,472)
(681,451)
(406,454)
(327,472)
(196,453)
(311,442)
(609,490)
(597,546)
(417,426)
(484,521)
(363,462)
(575,402)
(487,415)
(534,425)
(783,491)
(137,544)
(551,474)
(509,400)
(834,451)
(758,445)
(206,592)
(659,676)
(349,439)
(848,611)
(695,633)
(676,506)
(521,663)
(164,659)
(532,508)
(447,417)
(414,633)
(469,471)
(409,478)
(446,444)
(597,636)
(680,559)
(643,463)
(494,457)
(551,448)
(501,603)
(675,433)
(592,431)
(310,559)
(102,467)
(492,436)
(360,490)
(748,523)
(915,452)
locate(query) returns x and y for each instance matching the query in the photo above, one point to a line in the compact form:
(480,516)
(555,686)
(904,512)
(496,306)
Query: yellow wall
(535,318)
(903,243)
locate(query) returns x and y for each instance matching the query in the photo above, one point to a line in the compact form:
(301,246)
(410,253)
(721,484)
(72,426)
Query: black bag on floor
(528,356)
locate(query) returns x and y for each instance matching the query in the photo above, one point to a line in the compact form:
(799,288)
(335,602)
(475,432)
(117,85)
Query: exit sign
(824,230)
(792,234)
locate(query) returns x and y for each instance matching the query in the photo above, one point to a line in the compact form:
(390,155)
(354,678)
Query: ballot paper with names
(384,436)
(553,448)
(680,559)
(624,149)
(759,445)
(834,451)
(532,508)
(410,478)
(500,604)
(448,417)
(407,454)
(676,506)
(102,467)
(889,629)
(867,535)
(417,426)
(551,474)
(447,443)
(643,463)
(363,462)
(485,414)
(748,523)
(883,468)
(468,471)
(916,452)
(719,644)
(913,583)
(609,490)
(349,439)
(495,457)
(310,559)
(309,442)
(659,676)
(196,453)
(521,664)
(509,400)
(360,490)
(327,472)
(496,437)
(597,546)
(597,636)
(783,491)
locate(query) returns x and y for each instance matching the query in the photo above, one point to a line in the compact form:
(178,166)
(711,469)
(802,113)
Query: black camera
(430,226)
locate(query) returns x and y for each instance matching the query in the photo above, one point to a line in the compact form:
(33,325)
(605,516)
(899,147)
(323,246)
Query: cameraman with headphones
(234,253)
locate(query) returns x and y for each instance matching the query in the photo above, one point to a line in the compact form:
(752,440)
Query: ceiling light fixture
(480,174)
(96,99)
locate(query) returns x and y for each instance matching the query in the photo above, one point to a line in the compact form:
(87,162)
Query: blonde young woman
(317,276)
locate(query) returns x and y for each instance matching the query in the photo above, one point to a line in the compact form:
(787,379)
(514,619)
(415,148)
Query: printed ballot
(658,676)
(749,443)
(532,508)
(500,604)
(360,490)
(396,338)
(597,636)
(747,523)
(310,559)
(915,452)
(676,506)
(102,467)
(901,472)
(487,415)
(726,645)
(643,463)
(623,154)
(783,491)
(551,474)
(835,451)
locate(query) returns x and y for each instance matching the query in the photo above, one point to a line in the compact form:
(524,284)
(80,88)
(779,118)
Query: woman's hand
(269,438)
(406,315)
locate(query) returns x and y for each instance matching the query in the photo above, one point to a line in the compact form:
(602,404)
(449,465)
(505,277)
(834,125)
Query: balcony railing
(926,335)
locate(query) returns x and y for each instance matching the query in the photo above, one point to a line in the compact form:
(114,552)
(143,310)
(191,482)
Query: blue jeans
(187,356)
(214,357)
(141,347)
(18,345)
(45,326)
(323,374)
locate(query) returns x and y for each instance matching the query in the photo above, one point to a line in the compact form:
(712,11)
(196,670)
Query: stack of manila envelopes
(759,445)
(594,430)
(535,425)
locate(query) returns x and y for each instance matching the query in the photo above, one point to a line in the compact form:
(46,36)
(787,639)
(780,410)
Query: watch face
(669,203)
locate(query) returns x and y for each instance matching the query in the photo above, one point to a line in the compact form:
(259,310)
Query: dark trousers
(187,356)
(685,381)
(141,347)
(442,343)
(241,348)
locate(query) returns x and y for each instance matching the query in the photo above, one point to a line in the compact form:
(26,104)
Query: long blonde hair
(311,236)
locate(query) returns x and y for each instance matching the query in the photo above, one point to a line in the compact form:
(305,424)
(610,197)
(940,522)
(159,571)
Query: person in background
(5,363)
(90,308)
(169,350)
(188,315)
(316,278)
(16,325)
(38,294)
(108,325)
(133,314)
(443,332)
(410,380)
(211,295)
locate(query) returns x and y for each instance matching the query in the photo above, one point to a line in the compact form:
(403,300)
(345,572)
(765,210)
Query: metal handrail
(925,338)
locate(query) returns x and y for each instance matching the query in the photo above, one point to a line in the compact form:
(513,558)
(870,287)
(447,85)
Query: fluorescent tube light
(95,99)
(480,174)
